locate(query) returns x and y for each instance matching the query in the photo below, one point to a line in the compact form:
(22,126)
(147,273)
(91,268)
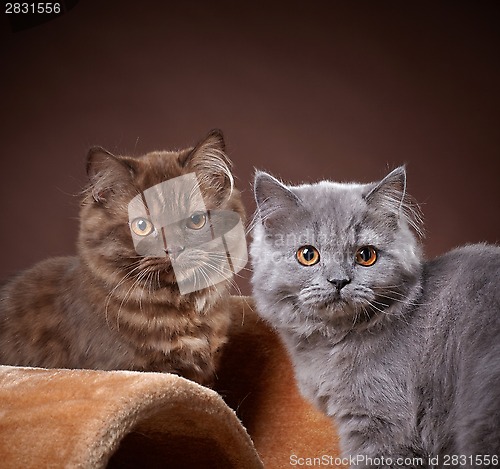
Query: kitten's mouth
(331,306)
(157,264)
(321,300)
(335,305)
(157,272)
(162,272)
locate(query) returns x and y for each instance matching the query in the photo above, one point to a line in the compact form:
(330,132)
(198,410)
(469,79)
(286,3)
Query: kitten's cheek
(149,247)
(277,258)
(277,261)
(268,260)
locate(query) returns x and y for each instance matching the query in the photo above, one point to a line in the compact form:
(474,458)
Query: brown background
(305,90)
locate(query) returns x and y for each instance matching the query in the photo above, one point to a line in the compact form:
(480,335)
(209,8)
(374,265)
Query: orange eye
(142,227)
(308,255)
(366,256)
(196,221)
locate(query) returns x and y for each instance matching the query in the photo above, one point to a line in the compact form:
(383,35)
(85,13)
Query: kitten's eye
(308,255)
(142,226)
(196,221)
(366,256)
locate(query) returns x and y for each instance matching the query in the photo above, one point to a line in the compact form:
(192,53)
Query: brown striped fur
(107,308)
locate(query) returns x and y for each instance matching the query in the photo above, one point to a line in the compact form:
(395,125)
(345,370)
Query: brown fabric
(83,418)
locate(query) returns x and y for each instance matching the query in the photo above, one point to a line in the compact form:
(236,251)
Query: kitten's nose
(339,283)
(174,251)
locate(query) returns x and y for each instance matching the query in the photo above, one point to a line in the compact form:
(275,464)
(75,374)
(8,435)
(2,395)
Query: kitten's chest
(319,368)
(165,328)
(171,339)
(353,374)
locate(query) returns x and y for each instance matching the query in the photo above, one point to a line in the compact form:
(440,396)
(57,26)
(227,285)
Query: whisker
(404,300)
(136,282)
(111,293)
(286,297)
(217,270)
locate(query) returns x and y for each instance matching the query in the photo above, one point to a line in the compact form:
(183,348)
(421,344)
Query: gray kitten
(404,354)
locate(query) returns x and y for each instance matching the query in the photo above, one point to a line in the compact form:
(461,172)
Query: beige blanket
(80,418)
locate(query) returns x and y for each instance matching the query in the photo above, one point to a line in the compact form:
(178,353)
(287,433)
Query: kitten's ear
(389,193)
(390,196)
(210,163)
(106,173)
(274,200)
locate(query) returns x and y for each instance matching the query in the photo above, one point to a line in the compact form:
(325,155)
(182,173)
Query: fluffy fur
(403,354)
(108,308)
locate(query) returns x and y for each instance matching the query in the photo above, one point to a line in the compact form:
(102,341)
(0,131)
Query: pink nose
(174,251)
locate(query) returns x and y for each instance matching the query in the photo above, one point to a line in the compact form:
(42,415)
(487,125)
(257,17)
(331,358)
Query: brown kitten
(112,308)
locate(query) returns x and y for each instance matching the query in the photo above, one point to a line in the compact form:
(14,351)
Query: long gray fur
(406,357)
